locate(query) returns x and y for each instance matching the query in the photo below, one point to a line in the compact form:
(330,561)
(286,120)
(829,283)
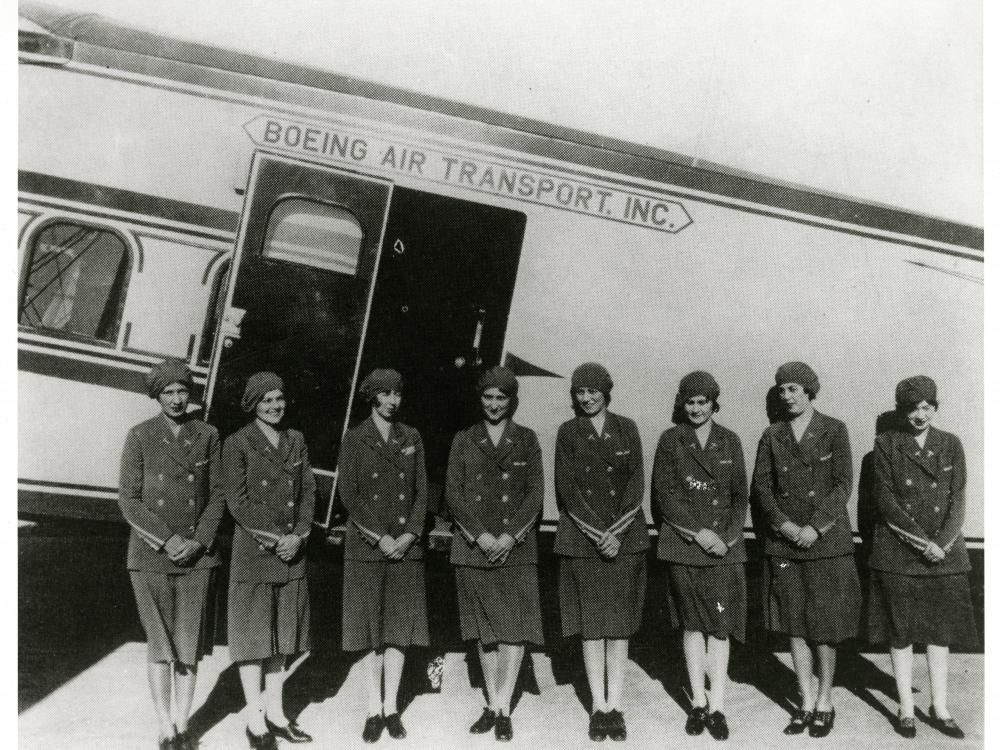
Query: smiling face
(271,408)
(174,400)
(698,410)
(795,398)
(495,404)
(919,417)
(590,400)
(386,404)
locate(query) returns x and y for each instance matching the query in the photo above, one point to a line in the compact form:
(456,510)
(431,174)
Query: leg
(902,670)
(509,659)
(593,663)
(937,666)
(617,656)
(373,677)
(802,661)
(489,661)
(392,661)
(694,659)
(185,676)
(274,688)
(250,678)
(718,661)
(827,654)
(158,675)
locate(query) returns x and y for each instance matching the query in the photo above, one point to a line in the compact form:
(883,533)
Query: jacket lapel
(927,457)
(263,446)
(690,442)
(812,439)
(386,450)
(784,436)
(174,447)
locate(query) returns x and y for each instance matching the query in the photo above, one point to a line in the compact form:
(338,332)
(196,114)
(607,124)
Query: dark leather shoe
(822,723)
(598,729)
(799,721)
(373,728)
(716,725)
(185,741)
(291,732)
(947,727)
(168,743)
(906,726)
(264,741)
(503,730)
(394,725)
(616,725)
(695,723)
(484,723)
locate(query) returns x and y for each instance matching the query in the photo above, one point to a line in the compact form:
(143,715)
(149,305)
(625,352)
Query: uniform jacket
(496,489)
(920,494)
(383,485)
(171,486)
(807,482)
(270,492)
(599,486)
(699,489)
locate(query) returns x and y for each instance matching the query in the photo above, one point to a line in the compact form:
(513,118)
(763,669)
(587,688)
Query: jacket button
(610,469)
(190,477)
(587,469)
(479,476)
(161,477)
(908,506)
(374,475)
(612,493)
(290,482)
(402,496)
(504,499)
(291,503)
(191,501)
(291,526)
(933,484)
(159,502)
(402,475)
(937,508)
(263,483)
(261,547)
(505,522)
(784,468)
(715,502)
(715,523)
(909,482)
(506,475)
(191,527)
(479,498)
(402,519)
(812,493)
(590,492)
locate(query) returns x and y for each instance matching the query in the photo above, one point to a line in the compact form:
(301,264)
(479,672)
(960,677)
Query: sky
(880,99)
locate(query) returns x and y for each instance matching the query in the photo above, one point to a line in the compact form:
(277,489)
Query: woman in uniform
(271,493)
(919,580)
(495,490)
(171,494)
(602,540)
(803,479)
(700,484)
(382,480)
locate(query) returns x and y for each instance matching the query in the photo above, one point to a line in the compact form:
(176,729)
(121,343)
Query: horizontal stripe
(69,487)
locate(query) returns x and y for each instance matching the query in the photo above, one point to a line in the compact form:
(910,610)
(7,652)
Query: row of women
(176,481)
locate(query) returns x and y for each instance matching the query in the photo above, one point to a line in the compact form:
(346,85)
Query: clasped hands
(802,537)
(711,542)
(182,551)
(396,548)
(933,553)
(496,548)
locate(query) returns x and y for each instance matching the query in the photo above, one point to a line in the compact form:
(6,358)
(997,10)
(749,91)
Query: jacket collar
(258,440)
(606,444)
(481,438)
(806,449)
(389,449)
(706,457)
(927,457)
(180,447)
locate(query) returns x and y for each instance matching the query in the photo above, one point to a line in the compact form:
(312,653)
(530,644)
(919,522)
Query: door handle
(230,328)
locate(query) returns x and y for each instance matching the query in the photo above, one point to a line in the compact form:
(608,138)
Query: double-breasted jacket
(700,488)
(806,482)
(497,489)
(920,493)
(599,486)
(171,485)
(383,486)
(270,492)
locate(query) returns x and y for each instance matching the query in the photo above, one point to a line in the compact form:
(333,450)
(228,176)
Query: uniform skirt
(710,599)
(385,604)
(173,611)
(819,600)
(935,610)
(601,598)
(267,619)
(499,605)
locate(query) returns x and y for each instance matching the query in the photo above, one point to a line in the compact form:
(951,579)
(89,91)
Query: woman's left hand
(609,546)
(288,547)
(505,543)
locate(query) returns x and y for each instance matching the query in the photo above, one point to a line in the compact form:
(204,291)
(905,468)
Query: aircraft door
(306,258)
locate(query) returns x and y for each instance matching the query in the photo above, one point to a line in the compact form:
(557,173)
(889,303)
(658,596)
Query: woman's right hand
(933,553)
(487,543)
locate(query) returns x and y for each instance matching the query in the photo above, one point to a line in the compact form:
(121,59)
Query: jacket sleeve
(897,519)
(208,522)
(569,494)
(252,515)
(534,493)
(833,505)
(418,512)
(462,512)
(763,483)
(733,530)
(358,511)
(632,507)
(307,503)
(668,491)
(151,528)
(951,530)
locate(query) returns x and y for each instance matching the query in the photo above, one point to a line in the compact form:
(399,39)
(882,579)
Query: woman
(700,483)
(383,484)
(602,540)
(495,490)
(172,496)
(803,480)
(919,580)
(270,491)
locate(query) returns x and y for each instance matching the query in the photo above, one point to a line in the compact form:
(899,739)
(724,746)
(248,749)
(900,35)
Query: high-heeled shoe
(799,722)
(264,741)
(822,723)
(291,731)
(947,727)
(906,726)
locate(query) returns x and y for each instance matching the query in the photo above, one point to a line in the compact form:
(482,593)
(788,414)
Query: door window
(314,234)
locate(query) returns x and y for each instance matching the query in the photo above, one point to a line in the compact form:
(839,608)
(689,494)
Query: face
(174,400)
(386,404)
(794,397)
(590,400)
(699,409)
(921,416)
(495,403)
(271,408)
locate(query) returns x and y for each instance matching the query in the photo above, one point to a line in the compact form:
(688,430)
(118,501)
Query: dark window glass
(75,281)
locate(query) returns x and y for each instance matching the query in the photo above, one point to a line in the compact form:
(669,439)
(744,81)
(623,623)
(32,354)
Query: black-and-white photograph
(444,374)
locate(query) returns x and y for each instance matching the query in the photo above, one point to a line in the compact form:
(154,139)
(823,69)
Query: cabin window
(75,281)
(215,304)
(313,234)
